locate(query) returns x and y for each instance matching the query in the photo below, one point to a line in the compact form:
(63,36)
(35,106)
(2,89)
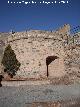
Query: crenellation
(33,34)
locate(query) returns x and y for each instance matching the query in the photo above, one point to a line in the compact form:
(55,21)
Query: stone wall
(32,51)
(72,61)
(34,47)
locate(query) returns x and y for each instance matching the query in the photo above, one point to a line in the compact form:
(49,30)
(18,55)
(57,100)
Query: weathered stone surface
(32,48)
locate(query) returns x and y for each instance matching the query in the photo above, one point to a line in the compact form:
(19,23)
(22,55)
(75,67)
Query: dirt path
(22,96)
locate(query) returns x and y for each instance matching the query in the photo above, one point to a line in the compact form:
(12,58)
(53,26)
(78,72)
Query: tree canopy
(9,61)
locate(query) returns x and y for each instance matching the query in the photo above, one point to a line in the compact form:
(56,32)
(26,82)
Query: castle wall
(32,53)
(32,48)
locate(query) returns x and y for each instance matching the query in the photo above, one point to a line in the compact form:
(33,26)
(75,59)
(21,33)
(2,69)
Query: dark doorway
(49,59)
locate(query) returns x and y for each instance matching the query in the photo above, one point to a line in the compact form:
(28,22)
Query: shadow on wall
(49,59)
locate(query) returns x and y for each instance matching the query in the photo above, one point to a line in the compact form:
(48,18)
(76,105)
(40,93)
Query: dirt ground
(40,96)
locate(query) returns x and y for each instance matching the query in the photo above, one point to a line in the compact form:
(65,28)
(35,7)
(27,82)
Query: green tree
(10,62)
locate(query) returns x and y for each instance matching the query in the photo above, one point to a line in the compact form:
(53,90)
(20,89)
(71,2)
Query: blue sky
(20,17)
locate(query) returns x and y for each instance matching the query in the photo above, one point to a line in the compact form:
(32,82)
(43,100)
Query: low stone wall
(20,83)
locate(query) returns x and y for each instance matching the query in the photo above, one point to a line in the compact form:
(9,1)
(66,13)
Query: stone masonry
(41,53)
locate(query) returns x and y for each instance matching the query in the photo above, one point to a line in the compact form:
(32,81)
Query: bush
(10,62)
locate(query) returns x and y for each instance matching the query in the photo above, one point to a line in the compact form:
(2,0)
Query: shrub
(10,62)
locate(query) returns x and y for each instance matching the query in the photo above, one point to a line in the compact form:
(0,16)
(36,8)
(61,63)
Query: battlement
(40,34)
(33,35)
